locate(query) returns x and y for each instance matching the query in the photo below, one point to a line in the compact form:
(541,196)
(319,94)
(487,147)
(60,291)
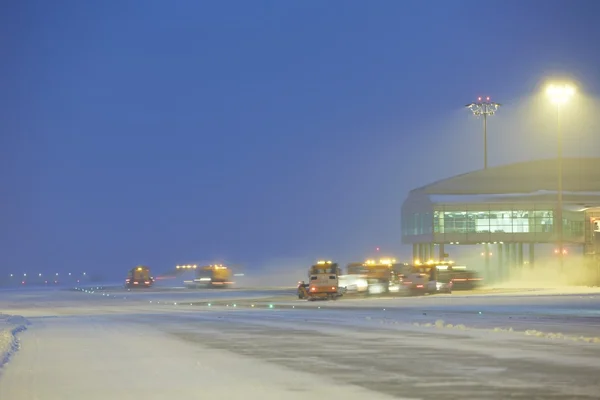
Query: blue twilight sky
(164,132)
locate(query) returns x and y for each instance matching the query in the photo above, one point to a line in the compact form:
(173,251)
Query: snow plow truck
(322,282)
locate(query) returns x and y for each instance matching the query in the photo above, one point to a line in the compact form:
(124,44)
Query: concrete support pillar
(500,268)
(432,251)
(513,256)
(442,253)
(520,255)
(506,269)
(415,253)
(486,256)
(531,254)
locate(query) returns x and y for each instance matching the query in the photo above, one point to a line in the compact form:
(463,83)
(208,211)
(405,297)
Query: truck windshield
(322,270)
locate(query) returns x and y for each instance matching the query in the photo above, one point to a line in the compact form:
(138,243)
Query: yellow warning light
(320,262)
(139,268)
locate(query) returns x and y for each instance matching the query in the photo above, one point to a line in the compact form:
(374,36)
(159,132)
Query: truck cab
(323,277)
(323,282)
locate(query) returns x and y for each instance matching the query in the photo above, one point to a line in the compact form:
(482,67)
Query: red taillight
(333,288)
(312,289)
(135,283)
(147,283)
(419,286)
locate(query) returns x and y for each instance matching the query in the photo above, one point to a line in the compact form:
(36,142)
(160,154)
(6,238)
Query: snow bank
(440,324)
(10,326)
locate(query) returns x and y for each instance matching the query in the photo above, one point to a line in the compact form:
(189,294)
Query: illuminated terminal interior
(508,207)
(508,218)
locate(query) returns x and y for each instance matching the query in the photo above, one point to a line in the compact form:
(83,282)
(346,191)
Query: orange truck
(378,276)
(139,277)
(210,276)
(323,282)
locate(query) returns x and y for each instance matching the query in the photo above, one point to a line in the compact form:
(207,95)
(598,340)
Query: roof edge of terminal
(521,170)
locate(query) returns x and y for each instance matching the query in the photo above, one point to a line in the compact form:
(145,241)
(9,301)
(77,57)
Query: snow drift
(10,326)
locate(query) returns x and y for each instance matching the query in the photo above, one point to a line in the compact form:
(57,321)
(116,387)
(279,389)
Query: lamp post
(484,108)
(560,94)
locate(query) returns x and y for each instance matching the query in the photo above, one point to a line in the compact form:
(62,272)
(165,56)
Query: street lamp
(484,108)
(560,94)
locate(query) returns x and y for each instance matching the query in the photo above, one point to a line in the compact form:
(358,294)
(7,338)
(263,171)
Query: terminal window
(495,221)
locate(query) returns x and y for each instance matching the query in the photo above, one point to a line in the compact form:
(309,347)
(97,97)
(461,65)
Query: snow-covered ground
(6,340)
(154,346)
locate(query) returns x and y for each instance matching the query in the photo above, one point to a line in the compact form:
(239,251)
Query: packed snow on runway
(96,344)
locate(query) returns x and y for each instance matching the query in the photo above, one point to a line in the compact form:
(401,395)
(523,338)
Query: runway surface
(99,343)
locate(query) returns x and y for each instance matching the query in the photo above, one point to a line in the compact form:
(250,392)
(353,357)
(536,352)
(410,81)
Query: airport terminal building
(507,207)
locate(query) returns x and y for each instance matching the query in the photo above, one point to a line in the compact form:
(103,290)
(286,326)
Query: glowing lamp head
(560,93)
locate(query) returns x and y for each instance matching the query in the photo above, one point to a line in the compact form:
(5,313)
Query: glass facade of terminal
(453,220)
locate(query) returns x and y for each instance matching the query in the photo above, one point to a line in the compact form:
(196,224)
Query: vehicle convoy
(323,282)
(389,276)
(386,276)
(139,277)
(209,276)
